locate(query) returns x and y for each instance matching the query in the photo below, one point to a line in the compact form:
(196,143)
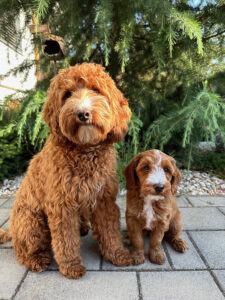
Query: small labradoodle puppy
(152,181)
(73,179)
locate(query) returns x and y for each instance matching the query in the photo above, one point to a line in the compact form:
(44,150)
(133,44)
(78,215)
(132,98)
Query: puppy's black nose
(158,188)
(83,115)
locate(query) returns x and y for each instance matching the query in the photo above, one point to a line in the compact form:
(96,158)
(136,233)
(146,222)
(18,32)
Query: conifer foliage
(166,56)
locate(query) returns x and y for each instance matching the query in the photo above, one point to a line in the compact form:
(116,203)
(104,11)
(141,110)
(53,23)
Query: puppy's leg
(65,231)
(155,253)
(136,239)
(106,227)
(173,235)
(31,238)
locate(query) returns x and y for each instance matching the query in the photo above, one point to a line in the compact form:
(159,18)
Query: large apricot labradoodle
(73,179)
(152,182)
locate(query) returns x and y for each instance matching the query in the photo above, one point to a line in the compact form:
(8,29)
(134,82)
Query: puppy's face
(154,173)
(85,107)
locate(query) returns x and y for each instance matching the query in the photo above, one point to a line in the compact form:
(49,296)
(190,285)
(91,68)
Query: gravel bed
(193,183)
(200,183)
(9,187)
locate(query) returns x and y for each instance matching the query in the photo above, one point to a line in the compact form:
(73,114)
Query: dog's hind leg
(173,235)
(31,238)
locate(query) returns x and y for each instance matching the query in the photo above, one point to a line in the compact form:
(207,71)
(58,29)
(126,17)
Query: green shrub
(13,159)
(201,118)
(22,133)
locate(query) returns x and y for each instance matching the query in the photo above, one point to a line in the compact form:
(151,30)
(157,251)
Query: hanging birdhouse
(53,47)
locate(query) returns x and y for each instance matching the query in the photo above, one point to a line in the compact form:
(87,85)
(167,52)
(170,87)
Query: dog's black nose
(158,188)
(83,115)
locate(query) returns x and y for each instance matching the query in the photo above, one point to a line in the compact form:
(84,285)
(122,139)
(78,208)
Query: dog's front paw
(180,245)
(138,257)
(121,257)
(72,271)
(39,262)
(156,256)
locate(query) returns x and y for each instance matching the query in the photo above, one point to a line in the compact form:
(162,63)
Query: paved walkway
(197,274)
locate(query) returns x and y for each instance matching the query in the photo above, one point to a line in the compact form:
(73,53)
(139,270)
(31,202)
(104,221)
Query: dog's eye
(95,90)
(67,95)
(146,168)
(166,170)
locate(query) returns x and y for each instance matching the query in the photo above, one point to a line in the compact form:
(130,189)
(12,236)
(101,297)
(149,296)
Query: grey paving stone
(121,202)
(4,215)
(220,275)
(11,273)
(90,254)
(188,260)
(182,201)
(3,200)
(8,203)
(7,244)
(146,266)
(94,286)
(212,246)
(182,285)
(222,209)
(123,224)
(202,218)
(207,201)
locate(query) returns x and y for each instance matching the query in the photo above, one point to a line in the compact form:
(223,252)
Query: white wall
(10,59)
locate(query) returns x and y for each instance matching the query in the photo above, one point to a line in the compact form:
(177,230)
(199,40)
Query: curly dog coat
(152,181)
(73,179)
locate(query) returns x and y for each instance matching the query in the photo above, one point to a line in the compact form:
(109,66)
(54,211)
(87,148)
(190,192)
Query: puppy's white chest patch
(148,212)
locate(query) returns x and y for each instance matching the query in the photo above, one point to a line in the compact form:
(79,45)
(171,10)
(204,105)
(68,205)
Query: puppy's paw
(180,245)
(121,257)
(156,256)
(138,257)
(72,271)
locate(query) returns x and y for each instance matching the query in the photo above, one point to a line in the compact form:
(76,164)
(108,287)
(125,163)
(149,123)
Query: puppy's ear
(130,172)
(176,177)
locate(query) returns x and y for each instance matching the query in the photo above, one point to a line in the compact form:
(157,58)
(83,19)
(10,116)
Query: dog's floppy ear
(50,110)
(176,177)
(130,172)
(122,116)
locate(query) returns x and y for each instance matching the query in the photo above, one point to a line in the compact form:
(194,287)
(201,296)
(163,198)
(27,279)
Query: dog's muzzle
(83,115)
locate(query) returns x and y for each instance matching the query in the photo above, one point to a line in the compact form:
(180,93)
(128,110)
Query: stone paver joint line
(206,263)
(139,286)
(167,255)
(186,197)
(20,284)
(197,274)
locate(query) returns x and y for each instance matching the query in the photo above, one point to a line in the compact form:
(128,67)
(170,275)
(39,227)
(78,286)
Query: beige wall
(10,59)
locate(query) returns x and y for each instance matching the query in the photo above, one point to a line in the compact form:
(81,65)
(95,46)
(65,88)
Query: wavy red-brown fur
(67,183)
(147,209)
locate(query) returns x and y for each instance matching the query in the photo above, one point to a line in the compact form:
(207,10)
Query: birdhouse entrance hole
(52,47)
